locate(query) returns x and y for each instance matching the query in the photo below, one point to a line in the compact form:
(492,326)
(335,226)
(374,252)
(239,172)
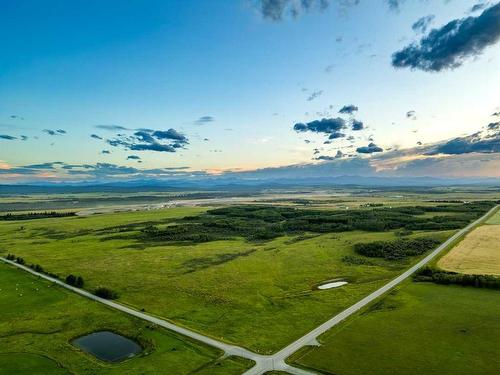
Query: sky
(100,90)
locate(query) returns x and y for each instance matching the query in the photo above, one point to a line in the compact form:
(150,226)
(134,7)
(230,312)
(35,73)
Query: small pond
(333,284)
(108,346)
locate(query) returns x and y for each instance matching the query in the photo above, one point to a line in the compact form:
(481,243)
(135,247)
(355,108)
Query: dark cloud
(7,137)
(336,135)
(477,7)
(357,125)
(99,170)
(24,137)
(411,115)
(326,126)
(423,24)
(394,4)
(314,95)
(44,166)
(133,157)
(348,109)
(449,46)
(495,114)
(111,127)
(95,136)
(16,117)
(54,132)
(371,148)
(151,140)
(478,143)
(276,10)
(170,134)
(105,152)
(494,126)
(204,120)
(144,136)
(325,158)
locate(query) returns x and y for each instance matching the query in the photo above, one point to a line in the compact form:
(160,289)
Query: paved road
(263,363)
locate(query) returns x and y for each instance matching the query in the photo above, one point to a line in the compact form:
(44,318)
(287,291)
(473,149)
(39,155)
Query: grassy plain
(495,219)
(38,321)
(257,294)
(420,328)
(477,254)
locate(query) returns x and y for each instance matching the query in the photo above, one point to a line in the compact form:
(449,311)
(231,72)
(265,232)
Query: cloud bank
(451,45)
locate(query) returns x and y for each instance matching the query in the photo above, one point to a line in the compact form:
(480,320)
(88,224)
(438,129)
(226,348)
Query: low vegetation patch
(438,276)
(35,215)
(105,293)
(398,249)
(356,261)
(200,263)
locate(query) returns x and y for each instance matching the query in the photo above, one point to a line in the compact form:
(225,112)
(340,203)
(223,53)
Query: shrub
(79,282)
(11,257)
(438,276)
(37,268)
(76,281)
(71,280)
(105,293)
(20,260)
(354,260)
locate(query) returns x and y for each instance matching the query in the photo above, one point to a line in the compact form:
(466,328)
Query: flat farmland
(39,320)
(419,328)
(478,253)
(249,279)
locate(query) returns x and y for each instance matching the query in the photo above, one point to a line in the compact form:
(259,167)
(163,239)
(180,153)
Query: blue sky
(160,65)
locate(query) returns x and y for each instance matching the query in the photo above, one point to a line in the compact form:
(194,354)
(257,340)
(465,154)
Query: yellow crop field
(478,253)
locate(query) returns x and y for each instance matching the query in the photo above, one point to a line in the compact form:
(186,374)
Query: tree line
(257,222)
(35,215)
(438,276)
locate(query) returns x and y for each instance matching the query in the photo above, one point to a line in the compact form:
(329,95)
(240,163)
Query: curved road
(264,363)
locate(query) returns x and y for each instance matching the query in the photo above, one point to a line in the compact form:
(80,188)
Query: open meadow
(245,275)
(419,328)
(39,320)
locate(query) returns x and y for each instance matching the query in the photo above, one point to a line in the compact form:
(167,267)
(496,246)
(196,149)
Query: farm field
(419,328)
(478,253)
(39,320)
(256,293)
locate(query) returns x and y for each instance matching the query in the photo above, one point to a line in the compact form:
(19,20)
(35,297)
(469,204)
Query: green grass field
(495,219)
(419,328)
(256,294)
(39,319)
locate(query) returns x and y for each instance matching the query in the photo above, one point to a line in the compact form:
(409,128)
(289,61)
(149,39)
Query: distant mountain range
(243,183)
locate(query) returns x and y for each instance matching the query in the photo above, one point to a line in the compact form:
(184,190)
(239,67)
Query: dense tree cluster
(35,215)
(438,276)
(267,222)
(398,249)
